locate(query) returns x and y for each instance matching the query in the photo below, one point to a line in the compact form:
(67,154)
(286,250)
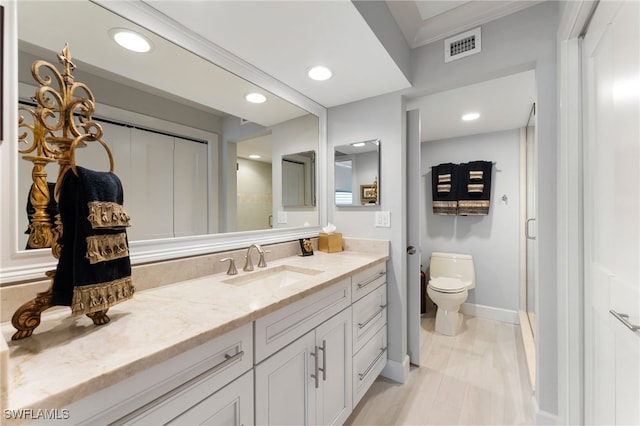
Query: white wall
(492,240)
(383,118)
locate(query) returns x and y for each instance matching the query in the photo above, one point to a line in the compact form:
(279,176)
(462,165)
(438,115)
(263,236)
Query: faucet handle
(262,263)
(248,264)
(232,265)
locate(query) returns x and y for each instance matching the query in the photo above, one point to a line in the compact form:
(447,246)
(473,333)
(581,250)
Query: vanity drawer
(369,315)
(368,363)
(364,282)
(163,391)
(277,329)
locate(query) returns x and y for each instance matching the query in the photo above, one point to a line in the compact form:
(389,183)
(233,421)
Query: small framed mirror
(357,173)
(299,179)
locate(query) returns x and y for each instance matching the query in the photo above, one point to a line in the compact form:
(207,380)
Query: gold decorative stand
(61,121)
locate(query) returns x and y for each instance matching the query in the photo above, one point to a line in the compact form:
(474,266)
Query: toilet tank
(453,265)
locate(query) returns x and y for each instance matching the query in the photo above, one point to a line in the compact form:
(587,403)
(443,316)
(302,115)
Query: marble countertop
(68,358)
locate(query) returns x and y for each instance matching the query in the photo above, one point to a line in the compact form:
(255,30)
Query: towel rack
(62,121)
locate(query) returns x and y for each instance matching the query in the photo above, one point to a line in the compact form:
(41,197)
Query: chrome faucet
(248,265)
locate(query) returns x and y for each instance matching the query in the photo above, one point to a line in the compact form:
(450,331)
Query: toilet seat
(447,285)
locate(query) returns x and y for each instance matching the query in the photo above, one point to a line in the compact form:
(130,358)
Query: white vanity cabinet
(308,381)
(369,328)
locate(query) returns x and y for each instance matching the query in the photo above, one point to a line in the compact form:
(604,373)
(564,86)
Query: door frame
(574,19)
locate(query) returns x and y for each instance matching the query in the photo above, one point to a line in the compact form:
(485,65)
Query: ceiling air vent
(461,45)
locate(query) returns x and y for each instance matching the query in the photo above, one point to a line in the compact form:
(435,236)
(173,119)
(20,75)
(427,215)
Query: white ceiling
(286,38)
(503,103)
(425,21)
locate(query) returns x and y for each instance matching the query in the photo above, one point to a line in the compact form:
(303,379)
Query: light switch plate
(282,217)
(383,219)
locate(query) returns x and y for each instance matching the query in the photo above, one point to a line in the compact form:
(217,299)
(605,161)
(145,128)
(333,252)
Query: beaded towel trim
(101,248)
(107,214)
(98,297)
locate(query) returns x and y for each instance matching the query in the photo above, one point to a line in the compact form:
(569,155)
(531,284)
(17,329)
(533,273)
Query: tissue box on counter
(330,243)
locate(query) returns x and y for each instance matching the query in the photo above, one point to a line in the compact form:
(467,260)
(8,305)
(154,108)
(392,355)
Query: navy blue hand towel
(94,269)
(474,190)
(444,186)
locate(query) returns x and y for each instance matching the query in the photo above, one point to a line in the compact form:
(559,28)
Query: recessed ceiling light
(255,98)
(470,116)
(254,156)
(319,73)
(131,40)
(358,144)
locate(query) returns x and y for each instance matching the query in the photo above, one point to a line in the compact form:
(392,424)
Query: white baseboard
(544,418)
(397,371)
(488,312)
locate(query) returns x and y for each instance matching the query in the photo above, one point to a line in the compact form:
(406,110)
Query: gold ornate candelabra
(61,121)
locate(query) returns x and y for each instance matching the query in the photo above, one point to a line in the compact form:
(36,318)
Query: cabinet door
(283,383)
(231,405)
(333,393)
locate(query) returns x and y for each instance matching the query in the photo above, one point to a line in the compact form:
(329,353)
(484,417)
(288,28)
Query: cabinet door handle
(366,283)
(624,318)
(365,372)
(323,348)
(362,325)
(316,368)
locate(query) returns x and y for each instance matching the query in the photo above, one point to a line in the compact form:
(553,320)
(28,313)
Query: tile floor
(478,377)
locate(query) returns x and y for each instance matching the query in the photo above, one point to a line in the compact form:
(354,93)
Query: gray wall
(492,240)
(381,117)
(522,41)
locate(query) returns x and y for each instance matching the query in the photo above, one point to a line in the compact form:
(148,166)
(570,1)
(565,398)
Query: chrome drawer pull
(316,376)
(323,348)
(229,359)
(362,325)
(364,374)
(366,283)
(624,318)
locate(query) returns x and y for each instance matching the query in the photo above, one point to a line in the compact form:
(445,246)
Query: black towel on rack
(474,190)
(94,269)
(444,185)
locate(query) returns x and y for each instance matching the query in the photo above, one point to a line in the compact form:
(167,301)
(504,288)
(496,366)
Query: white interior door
(611,55)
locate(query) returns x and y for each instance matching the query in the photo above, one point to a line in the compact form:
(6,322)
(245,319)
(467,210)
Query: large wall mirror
(357,174)
(192,153)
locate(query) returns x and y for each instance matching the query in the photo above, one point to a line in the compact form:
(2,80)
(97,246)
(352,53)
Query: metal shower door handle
(526,229)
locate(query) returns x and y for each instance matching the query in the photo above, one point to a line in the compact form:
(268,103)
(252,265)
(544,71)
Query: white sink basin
(278,276)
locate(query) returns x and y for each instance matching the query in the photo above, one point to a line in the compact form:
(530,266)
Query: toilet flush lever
(411,250)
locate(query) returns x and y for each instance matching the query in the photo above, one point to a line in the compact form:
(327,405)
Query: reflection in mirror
(298,179)
(173,139)
(357,171)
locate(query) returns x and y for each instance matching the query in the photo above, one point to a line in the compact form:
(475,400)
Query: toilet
(451,276)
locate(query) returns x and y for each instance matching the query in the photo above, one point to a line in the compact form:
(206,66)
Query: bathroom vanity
(298,342)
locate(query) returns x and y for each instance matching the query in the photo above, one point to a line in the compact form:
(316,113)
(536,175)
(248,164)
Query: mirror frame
(18,265)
